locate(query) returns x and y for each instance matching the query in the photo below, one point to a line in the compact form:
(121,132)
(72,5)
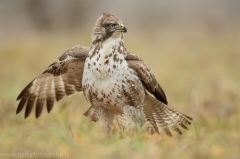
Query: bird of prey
(116,82)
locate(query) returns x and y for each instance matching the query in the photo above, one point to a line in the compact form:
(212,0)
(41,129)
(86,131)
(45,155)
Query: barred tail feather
(92,112)
(158,114)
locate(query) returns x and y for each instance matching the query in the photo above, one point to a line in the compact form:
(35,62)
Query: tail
(158,114)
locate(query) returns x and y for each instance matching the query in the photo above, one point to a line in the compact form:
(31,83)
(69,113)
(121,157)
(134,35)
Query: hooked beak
(122,28)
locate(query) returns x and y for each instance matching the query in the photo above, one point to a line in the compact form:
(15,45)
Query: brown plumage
(63,77)
(116,82)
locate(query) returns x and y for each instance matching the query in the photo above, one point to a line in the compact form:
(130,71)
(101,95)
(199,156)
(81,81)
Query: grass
(200,75)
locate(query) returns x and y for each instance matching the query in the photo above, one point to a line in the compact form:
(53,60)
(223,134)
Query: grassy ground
(200,74)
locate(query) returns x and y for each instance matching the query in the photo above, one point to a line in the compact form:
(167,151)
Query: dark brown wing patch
(147,77)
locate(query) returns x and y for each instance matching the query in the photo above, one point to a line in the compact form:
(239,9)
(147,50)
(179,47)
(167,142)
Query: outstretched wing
(63,77)
(147,77)
(156,111)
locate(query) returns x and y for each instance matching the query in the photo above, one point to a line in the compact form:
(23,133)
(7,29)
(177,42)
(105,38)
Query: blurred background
(193,48)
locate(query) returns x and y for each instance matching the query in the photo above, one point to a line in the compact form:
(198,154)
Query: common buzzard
(116,82)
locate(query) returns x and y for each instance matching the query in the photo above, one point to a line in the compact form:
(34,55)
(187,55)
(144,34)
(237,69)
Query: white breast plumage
(107,75)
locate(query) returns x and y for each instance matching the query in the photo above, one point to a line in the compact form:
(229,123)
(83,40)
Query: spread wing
(63,77)
(147,77)
(155,110)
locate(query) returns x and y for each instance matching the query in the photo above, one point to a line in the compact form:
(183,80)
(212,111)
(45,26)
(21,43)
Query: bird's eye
(112,25)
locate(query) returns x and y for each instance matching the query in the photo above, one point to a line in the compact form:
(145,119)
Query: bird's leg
(134,118)
(120,121)
(106,118)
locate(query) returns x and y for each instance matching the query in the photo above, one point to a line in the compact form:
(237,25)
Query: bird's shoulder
(146,75)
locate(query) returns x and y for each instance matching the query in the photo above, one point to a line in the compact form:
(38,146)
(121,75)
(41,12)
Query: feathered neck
(115,44)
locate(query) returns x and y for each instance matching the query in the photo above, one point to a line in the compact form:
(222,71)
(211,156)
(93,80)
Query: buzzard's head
(108,26)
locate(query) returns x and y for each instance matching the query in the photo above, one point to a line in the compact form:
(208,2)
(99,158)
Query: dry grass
(199,73)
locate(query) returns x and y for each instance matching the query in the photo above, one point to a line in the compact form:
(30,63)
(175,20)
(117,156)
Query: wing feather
(59,88)
(63,77)
(147,77)
(29,105)
(157,113)
(51,95)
